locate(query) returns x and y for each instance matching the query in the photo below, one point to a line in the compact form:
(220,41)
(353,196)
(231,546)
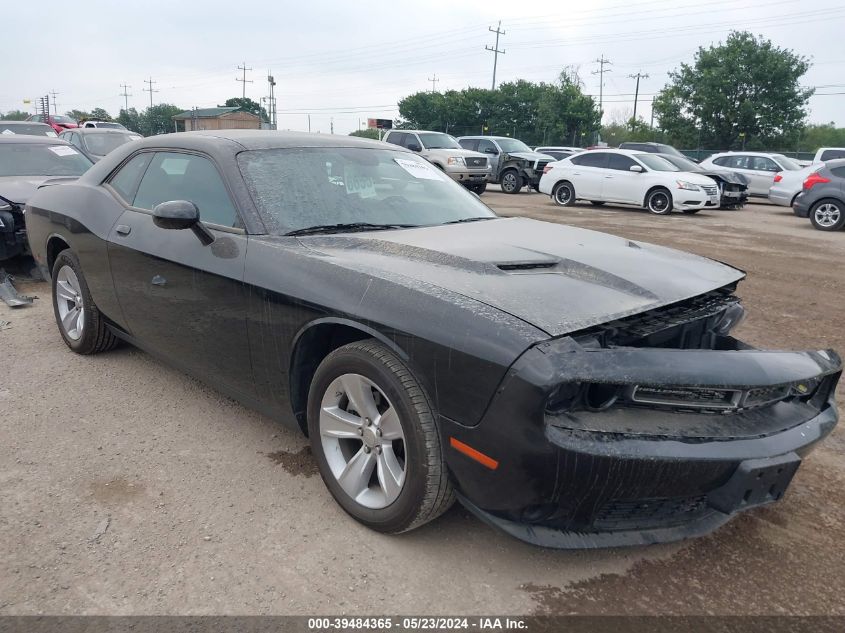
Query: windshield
(102,144)
(304,187)
(511,145)
(60,118)
(657,163)
(683,163)
(29,129)
(110,126)
(787,163)
(437,140)
(30,159)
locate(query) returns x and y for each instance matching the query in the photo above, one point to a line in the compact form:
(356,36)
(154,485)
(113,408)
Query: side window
(722,161)
(176,176)
(396,138)
(761,163)
(591,159)
(621,162)
(832,154)
(487,147)
(739,162)
(412,139)
(469,143)
(839,172)
(126,180)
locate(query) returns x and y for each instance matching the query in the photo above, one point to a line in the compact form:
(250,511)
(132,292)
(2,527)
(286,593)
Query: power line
(151,90)
(126,94)
(244,81)
(433,79)
(495,50)
(638,76)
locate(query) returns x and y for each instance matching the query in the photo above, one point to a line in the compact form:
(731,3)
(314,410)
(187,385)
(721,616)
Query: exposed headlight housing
(455,160)
(683,184)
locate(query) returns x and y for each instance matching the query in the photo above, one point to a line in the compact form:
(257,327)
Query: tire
(597,203)
(87,333)
(380,443)
(659,201)
(828,214)
(479,189)
(511,181)
(564,194)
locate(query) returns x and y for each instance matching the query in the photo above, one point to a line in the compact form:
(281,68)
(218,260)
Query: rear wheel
(80,323)
(511,181)
(373,434)
(659,202)
(564,194)
(828,215)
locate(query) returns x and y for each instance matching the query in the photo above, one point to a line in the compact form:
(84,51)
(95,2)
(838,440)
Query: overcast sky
(347,61)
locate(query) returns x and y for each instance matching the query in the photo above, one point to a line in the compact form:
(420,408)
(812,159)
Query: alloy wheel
(563,194)
(658,202)
(827,214)
(509,181)
(363,441)
(69,303)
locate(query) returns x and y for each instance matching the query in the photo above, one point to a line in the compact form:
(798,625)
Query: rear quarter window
(832,154)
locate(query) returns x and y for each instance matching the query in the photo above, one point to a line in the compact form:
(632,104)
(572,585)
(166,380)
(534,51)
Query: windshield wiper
(348,227)
(479,219)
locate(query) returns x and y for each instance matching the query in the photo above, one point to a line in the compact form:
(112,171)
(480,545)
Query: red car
(58,122)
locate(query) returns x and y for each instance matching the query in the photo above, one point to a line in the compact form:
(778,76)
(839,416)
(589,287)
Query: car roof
(744,153)
(624,152)
(99,130)
(35,140)
(418,131)
(259,139)
(27,122)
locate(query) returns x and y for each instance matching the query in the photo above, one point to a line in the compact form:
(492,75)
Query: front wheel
(80,323)
(659,202)
(479,189)
(828,215)
(511,181)
(373,434)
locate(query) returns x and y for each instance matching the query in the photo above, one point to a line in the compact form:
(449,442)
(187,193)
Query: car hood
(18,189)
(558,278)
(532,156)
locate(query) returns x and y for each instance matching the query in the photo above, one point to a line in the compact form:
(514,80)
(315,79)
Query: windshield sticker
(62,150)
(7,131)
(419,170)
(358,183)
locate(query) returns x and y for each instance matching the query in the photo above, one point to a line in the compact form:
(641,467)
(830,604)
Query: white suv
(628,177)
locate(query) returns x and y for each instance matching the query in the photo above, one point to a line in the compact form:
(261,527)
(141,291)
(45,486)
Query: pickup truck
(469,168)
(513,163)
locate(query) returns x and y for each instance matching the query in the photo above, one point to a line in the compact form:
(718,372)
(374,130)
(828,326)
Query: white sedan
(628,177)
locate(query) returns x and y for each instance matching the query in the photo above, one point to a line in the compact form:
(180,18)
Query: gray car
(514,163)
(823,197)
(97,142)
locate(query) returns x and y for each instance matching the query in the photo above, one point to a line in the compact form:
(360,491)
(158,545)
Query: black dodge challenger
(572,388)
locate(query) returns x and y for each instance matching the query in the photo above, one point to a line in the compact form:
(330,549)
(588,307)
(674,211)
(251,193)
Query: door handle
(123,229)
(158,280)
(608,176)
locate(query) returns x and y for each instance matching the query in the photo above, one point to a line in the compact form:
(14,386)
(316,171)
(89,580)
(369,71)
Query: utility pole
(433,81)
(495,50)
(125,94)
(331,129)
(309,122)
(151,90)
(638,76)
(272,113)
(244,81)
(54,94)
(602,62)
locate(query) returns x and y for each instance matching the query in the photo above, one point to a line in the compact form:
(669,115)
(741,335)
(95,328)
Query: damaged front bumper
(599,447)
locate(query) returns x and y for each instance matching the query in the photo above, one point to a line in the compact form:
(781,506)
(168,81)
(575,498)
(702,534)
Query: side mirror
(414,147)
(636,168)
(176,214)
(181,214)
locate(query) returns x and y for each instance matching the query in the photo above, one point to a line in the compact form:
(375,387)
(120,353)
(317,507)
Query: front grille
(681,396)
(649,513)
(765,395)
(710,190)
(476,162)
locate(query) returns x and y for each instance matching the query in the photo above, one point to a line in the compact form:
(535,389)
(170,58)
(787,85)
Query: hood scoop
(518,267)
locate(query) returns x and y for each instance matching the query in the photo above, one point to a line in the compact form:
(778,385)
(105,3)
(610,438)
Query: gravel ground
(128,488)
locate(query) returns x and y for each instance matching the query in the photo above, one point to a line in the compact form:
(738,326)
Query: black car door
(181,299)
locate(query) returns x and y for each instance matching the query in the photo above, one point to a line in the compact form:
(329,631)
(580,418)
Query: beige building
(229,118)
